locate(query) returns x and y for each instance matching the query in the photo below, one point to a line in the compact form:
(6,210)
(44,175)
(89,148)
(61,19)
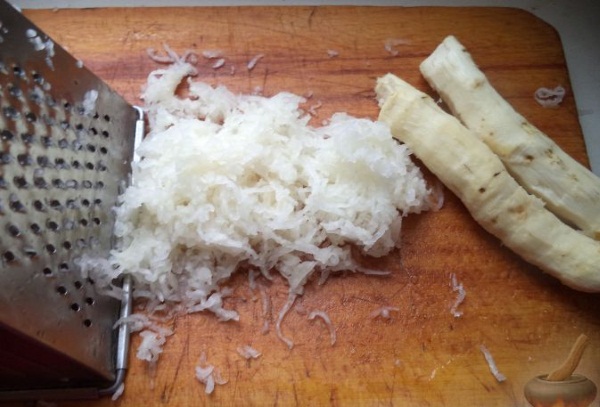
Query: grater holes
(35,228)
(51,249)
(20,182)
(15,204)
(97,221)
(78,285)
(24,159)
(47,271)
(75,307)
(30,117)
(52,225)
(106,118)
(89,301)
(76,164)
(18,72)
(13,230)
(27,138)
(64,267)
(105,134)
(3,183)
(62,290)
(46,141)
(39,205)
(43,161)
(87,323)
(14,90)
(67,245)
(37,78)
(11,113)
(89,166)
(83,222)
(6,135)
(5,158)
(9,256)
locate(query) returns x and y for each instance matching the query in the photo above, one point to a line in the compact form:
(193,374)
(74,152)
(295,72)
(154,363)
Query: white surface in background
(577,21)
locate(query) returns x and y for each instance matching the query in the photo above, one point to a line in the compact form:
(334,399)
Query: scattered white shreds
(89,102)
(212,53)
(266,309)
(248,352)
(79,63)
(312,110)
(383,312)
(119,392)
(323,315)
(218,63)
(492,364)
(391,44)
(550,97)
(208,375)
(286,307)
(151,346)
(171,57)
(331,53)
(460,297)
(252,63)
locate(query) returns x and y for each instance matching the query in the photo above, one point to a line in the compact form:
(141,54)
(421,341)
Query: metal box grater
(67,145)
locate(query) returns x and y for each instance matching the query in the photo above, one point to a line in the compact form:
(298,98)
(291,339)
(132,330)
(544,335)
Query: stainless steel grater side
(67,142)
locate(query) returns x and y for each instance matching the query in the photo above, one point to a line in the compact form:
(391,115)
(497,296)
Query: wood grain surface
(423,354)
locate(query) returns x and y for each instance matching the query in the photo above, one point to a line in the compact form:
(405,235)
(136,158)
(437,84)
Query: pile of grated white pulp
(237,180)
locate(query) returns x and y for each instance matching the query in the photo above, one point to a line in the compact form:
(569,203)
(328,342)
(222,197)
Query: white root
(568,189)
(476,175)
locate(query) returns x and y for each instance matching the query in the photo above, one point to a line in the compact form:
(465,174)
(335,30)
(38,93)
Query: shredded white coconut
(391,44)
(383,312)
(229,181)
(460,297)
(491,363)
(266,309)
(550,97)
(218,63)
(89,101)
(323,315)
(212,53)
(248,352)
(331,53)
(208,375)
(286,308)
(252,63)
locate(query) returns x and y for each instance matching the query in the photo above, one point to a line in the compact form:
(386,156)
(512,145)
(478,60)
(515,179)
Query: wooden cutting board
(423,354)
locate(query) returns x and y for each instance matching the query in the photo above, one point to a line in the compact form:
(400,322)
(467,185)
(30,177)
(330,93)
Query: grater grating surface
(66,141)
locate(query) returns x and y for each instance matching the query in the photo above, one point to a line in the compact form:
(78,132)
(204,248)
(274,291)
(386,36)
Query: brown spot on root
(481,190)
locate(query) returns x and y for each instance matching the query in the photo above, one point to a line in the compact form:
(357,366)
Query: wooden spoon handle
(569,365)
